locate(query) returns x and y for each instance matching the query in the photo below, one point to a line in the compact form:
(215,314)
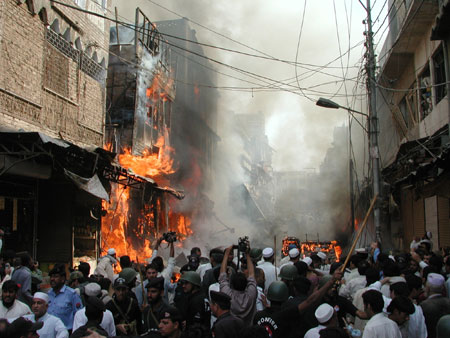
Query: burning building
(160,128)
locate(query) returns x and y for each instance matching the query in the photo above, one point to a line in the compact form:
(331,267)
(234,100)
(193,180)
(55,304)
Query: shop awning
(36,155)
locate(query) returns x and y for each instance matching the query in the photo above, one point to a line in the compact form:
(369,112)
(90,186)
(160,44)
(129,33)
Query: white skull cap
(324,313)
(41,295)
(267,252)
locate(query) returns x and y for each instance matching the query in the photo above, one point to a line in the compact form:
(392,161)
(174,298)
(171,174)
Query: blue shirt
(64,305)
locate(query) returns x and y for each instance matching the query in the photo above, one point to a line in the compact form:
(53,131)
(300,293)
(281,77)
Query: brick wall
(42,86)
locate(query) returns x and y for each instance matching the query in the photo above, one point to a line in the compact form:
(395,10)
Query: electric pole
(373,120)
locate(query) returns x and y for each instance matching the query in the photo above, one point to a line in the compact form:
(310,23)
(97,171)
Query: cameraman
(156,269)
(242,289)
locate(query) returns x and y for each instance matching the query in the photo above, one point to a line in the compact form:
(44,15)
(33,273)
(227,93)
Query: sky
(314,33)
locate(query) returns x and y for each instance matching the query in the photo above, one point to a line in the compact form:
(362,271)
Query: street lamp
(326,103)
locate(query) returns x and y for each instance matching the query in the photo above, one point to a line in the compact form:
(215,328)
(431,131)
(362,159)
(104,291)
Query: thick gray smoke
(298,130)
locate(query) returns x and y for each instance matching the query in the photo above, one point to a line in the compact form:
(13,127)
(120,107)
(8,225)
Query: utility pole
(373,120)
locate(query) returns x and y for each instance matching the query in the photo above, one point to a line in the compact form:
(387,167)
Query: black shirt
(195,309)
(277,320)
(129,309)
(151,321)
(226,326)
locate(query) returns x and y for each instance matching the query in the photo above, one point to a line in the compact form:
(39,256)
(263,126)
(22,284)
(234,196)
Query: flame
(196,90)
(153,165)
(312,246)
(130,223)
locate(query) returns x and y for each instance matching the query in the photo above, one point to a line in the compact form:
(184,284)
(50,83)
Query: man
(241,289)
(193,305)
(378,325)
(270,271)
(105,265)
(11,307)
(349,289)
(151,272)
(63,302)
(294,256)
(156,304)
(215,258)
(354,261)
(85,269)
(53,327)
(22,328)
(226,324)
(288,273)
(436,305)
(326,316)
(416,324)
(107,322)
(125,310)
(399,309)
(94,313)
(22,277)
(278,320)
(170,323)
(260,281)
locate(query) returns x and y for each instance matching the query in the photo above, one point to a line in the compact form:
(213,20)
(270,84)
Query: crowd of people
(233,293)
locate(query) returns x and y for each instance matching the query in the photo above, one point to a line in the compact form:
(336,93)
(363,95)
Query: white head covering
(435,279)
(267,252)
(294,253)
(307,260)
(324,313)
(111,251)
(92,289)
(41,295)
(322,255)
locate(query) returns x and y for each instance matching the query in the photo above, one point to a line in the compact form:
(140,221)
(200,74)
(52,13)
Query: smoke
(298,130)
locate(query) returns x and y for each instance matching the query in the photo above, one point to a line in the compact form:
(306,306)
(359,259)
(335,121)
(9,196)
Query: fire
(312,246)
(153,165)
(132,222)
(115,223)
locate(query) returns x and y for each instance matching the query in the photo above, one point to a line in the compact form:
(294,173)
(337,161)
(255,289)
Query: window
(81,3)
(404,110)
(439,75)
(426,104)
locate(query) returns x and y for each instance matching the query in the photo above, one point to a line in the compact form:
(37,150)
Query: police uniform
(125,312)
(64,304)
(151,315)
(226,324)
(276,320)
(197,310)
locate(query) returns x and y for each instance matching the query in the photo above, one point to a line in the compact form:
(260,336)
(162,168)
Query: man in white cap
(105,265)
(270,271)
(53,326)
(80,319)
(436,305)
(326,316)
(294,256)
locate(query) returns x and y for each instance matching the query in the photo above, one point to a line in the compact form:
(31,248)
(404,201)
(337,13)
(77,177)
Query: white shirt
(416,324)
(18,309)
(314,332)
(348,276)
(213,287)
(259,302)
(349,289)
(107,323)
(53,326)
(380,326)
(270,272)
(201,270)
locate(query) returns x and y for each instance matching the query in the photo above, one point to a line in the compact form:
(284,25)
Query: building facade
(53,59)
(413,109)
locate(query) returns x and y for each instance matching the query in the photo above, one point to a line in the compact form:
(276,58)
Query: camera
(242,245)
(170,237)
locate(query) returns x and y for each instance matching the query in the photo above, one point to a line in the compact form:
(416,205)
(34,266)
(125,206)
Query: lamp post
(373,139)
